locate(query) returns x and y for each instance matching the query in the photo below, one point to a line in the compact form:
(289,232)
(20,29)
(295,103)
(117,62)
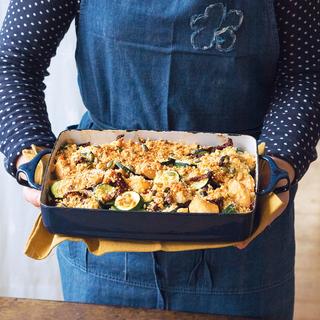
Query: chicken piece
(146,169)
(139,184)
(239,193)
(199,205)
(63,167)
(183,210)
(90,178)
(249,183)
(180,192)
(79,200)
(85,180)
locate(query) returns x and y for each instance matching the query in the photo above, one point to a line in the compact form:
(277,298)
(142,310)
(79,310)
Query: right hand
(29,194)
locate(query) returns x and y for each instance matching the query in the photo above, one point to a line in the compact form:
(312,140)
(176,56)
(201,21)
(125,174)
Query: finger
(265,174)
(242,245)
(32,196)
(284,197)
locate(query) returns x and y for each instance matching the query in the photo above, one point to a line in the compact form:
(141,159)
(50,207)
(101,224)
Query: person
(249,67)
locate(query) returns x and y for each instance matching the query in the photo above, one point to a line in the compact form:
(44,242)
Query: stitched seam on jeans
(103,276)
(229,292)
(288,277)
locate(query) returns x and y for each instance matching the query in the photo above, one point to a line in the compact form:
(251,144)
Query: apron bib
(177,65)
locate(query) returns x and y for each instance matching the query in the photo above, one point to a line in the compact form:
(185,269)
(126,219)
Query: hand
(284,196)
(29,194)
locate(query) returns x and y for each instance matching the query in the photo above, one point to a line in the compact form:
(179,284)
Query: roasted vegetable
(167,177)
(127,169)
(110,164)
(58,189)
(145,148)
(203,150)
(129,200)
(104,193)
(200,184)
(168,162)
(184,163)
(177,163)
(230,209)
(224,161)
(87,156)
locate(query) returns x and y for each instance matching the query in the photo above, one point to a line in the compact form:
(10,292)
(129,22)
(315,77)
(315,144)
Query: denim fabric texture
(139,69)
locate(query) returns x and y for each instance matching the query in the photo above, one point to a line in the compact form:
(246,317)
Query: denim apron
(203,65)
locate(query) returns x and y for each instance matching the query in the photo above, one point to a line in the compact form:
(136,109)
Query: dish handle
(29,170)
(276,174)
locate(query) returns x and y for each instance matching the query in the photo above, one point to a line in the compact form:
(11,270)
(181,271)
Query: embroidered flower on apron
(215,28)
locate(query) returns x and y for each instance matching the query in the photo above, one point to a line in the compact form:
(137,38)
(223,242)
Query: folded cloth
(41,242)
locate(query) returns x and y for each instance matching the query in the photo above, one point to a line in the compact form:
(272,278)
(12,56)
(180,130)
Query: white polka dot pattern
(33,29)
(30,34)
(291,127)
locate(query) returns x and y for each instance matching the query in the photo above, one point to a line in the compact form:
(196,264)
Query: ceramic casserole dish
(146,226)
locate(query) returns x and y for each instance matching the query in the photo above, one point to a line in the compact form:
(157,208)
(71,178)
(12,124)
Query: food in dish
(154,175)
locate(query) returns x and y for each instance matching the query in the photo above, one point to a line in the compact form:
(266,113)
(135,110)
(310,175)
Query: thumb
(32,196)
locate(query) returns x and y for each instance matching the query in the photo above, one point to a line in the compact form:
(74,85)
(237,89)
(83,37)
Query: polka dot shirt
(33,29)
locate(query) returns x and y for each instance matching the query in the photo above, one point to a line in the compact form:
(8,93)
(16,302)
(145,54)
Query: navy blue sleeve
(291,127)
(29,37)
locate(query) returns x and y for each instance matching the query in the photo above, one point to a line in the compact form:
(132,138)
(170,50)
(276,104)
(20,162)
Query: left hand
(30,195)
(284,196)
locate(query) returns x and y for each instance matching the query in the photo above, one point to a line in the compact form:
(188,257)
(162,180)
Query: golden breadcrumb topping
(155,175)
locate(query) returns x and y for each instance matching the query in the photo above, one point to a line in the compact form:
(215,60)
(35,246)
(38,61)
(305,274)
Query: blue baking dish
(157,226)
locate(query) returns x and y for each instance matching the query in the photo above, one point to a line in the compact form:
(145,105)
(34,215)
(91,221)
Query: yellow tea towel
(41,242)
